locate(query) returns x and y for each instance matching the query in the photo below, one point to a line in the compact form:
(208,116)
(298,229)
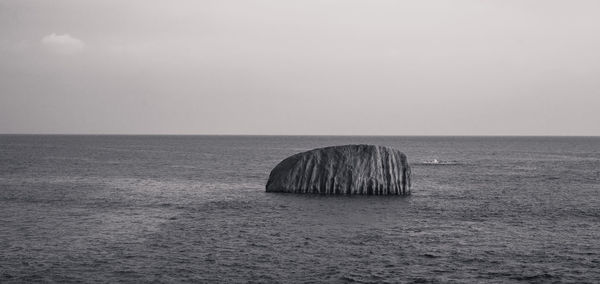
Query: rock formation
(348,169)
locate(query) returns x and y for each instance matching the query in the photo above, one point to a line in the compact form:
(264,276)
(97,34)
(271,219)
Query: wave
(436,162)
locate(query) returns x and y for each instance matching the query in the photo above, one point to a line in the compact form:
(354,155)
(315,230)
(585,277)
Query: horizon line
(296,135)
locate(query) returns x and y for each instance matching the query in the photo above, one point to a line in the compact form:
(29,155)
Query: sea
(170,209)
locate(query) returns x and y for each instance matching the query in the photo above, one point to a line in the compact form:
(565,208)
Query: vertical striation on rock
(348,169)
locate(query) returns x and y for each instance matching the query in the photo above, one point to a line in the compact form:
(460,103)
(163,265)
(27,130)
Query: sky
(311,67)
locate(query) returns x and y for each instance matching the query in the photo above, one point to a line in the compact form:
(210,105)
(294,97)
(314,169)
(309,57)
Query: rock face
(348,169)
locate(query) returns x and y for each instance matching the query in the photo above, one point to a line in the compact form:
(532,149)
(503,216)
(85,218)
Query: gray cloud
(64,44)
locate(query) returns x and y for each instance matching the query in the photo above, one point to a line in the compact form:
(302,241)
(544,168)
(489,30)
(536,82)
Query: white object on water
(432,162)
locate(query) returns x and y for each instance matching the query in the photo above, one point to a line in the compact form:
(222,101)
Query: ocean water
(194,208)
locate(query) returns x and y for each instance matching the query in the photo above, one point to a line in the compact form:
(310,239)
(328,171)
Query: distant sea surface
(194,208)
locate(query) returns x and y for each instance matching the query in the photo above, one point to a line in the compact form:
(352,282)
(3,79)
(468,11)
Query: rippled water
(193,208)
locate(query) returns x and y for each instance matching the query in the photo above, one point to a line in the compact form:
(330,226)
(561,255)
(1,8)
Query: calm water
(193,208)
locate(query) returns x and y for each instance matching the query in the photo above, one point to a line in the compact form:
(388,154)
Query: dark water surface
(194,208)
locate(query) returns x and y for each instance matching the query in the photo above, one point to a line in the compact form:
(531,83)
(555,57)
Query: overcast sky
(300,67)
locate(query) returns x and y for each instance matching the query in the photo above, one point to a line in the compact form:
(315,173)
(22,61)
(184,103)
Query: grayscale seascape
(194,208)
(282,141)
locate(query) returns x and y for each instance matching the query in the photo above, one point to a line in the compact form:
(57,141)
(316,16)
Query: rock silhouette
(348,169)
